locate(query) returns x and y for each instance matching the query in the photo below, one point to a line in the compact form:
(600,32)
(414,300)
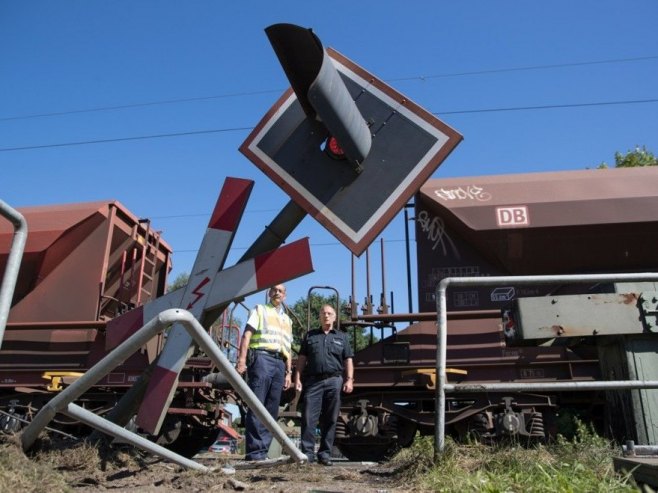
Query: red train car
(83,265)
(576,222)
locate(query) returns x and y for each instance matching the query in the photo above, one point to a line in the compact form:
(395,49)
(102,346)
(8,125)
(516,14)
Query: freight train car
(576,222)
(84,264)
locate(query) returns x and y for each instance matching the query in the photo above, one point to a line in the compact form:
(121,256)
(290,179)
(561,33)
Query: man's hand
(287,382)
(241,367)
(348,386)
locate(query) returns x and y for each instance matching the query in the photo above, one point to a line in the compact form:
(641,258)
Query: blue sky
(532,86)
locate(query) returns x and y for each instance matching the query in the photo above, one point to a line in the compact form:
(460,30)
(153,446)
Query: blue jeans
(265,377)
(321,407)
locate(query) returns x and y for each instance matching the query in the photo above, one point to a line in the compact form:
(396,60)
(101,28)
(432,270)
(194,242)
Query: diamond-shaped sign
(353,203)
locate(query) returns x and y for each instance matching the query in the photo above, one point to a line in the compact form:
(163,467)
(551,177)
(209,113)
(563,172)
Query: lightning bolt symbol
(199,294)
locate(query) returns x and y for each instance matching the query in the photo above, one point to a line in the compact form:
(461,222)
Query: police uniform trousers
(321,407)
(265,376)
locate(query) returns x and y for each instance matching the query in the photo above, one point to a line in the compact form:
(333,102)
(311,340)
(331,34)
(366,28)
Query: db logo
(512,216)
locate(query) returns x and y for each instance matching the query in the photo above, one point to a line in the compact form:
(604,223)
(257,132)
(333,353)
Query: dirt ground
(62,466)
(154,475)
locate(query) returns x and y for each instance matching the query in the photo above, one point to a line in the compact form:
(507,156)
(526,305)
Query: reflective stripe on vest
(274,331)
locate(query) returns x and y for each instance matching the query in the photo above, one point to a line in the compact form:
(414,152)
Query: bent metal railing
(442,341)
(13,263)
(63,402)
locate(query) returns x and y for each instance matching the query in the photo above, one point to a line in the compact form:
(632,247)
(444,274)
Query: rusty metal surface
(478,347)
(557,199)
(74,261)
(83,264)
(528,224)
(578,315)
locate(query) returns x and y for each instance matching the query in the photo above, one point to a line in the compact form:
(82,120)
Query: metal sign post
(13,262)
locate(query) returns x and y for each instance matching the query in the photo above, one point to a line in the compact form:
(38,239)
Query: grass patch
(580,464)
(59,466)
(583,464)
(20,473)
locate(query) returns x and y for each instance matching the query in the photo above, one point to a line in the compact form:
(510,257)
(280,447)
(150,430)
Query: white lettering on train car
(435,229)
(512,216)
(472,192)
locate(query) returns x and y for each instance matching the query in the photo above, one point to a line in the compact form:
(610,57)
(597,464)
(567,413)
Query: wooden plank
(643,469)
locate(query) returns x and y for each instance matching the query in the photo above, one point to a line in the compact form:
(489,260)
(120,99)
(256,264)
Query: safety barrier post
(62,402)
(442,337)
(13,263)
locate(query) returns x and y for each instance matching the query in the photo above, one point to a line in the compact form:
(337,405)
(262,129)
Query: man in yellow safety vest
(265,355)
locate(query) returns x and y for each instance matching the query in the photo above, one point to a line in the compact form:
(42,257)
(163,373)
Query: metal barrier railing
(442,340)
(13,263)
(63,402)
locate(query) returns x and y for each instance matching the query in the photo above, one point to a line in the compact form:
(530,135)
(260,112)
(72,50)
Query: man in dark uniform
(324,358)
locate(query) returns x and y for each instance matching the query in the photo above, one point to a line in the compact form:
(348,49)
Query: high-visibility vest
(273,330)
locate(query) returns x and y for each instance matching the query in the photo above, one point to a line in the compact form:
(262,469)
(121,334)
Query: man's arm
(349,376)
(241,366)
(287,379)
(301,364)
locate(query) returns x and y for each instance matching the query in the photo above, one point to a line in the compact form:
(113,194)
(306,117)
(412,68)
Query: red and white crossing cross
(245,278)
(212,254)
(209,287)
(210,259)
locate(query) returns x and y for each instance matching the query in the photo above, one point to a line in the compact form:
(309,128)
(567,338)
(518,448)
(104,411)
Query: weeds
(56,466)
(20,473)
(583,464)
(580,464)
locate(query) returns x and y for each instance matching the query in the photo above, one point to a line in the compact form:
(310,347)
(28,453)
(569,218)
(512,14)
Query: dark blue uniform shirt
(325,353)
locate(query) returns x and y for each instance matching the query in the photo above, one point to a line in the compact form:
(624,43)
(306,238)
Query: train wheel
(187,438)
(474,429)
(372,449)
(170,431)
(380,447)
(406,432)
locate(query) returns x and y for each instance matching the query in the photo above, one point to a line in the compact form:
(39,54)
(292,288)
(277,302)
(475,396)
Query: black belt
(276,355)
(324,376)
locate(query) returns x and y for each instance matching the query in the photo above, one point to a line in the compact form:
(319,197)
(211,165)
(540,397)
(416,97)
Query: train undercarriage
(378,424)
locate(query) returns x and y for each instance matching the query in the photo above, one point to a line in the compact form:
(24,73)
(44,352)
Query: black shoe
(325,462)
(255,459)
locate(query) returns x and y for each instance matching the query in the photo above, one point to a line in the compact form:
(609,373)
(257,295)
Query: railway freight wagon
(85,264)
(577,222)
